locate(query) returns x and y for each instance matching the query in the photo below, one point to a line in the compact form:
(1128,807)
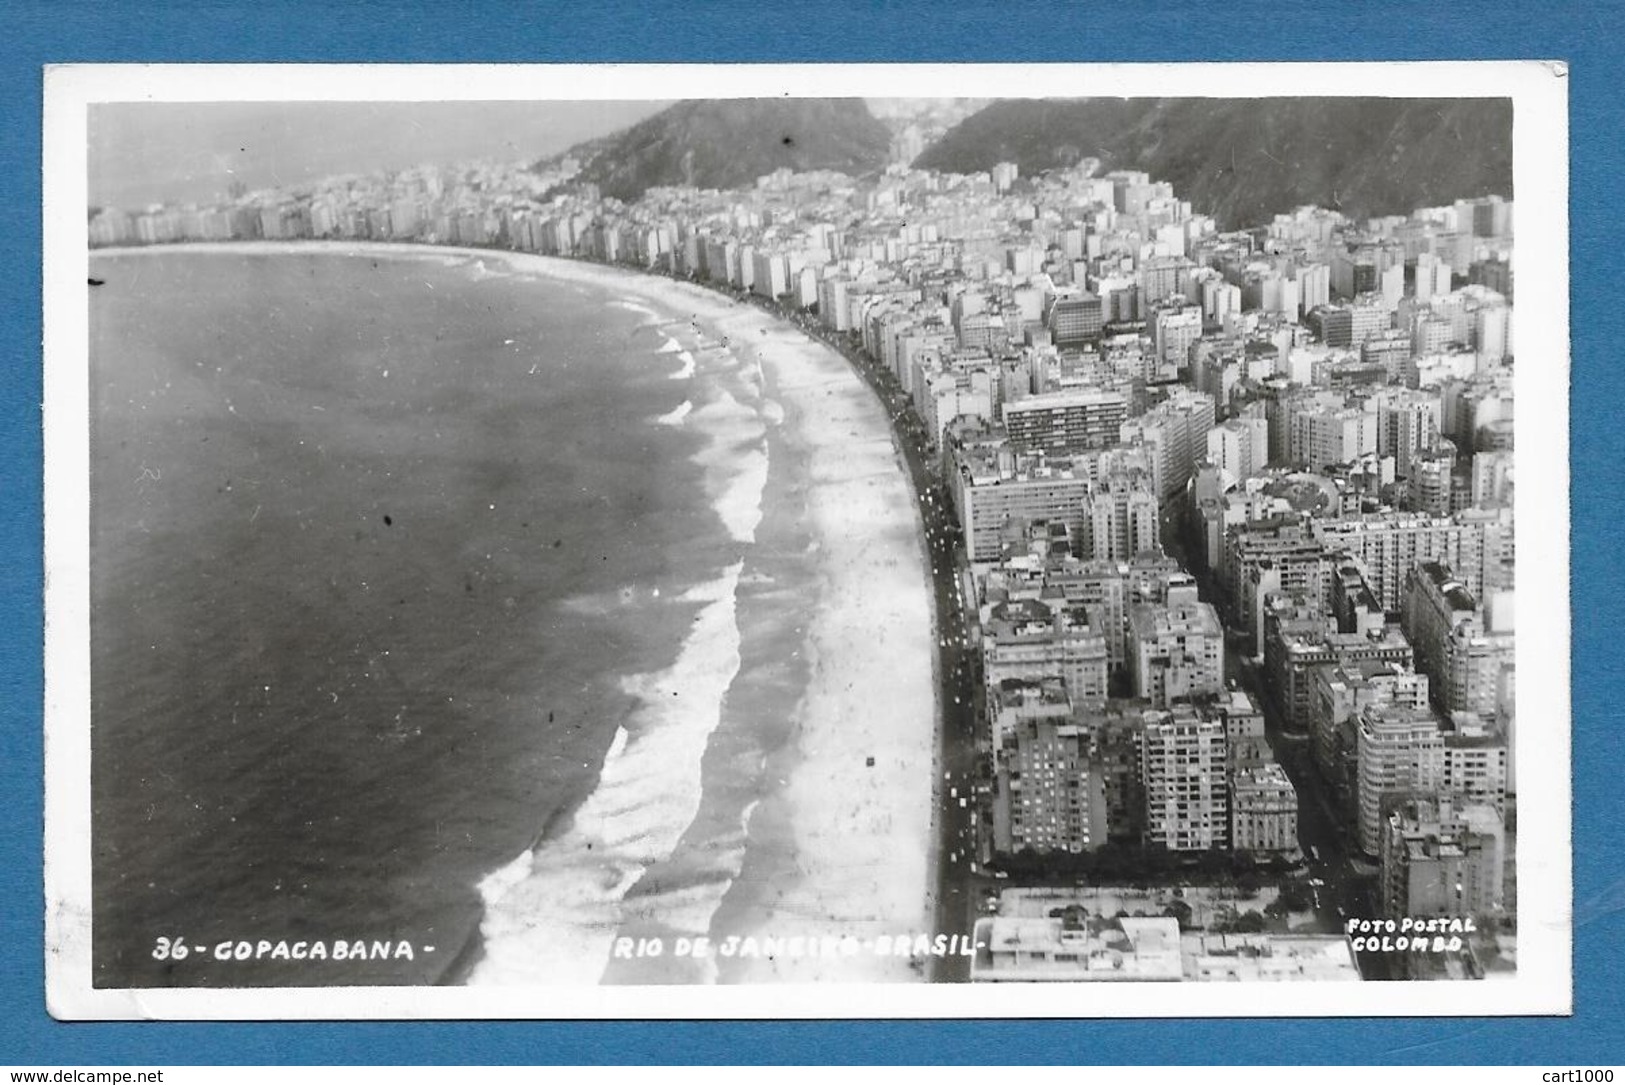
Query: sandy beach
(854,815)
(838,843)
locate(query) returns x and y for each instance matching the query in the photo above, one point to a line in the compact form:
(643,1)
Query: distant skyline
(183,152)
(142,153)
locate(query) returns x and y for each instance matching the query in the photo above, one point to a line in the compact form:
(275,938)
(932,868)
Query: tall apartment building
(1443,858)
(1240,446)
(1390,351)
(1184,781)
(1176,430)
(1332,324)
(1496,274)
(1118,733)
(1391,544)
(1401,753)
(1370,315)
(1024,640)
(1298,638)
(1230,510)
(1173,330)
(1162,277)
(1456,642)
(1123,517)
(1075,320)
(1279,554)
(1484,216)
(1282,403)
(1491,334)
(1431,488)
(1477,766)
(1354,607)
(1338,691)
(991,507)
(1220,300)
(1408,424)
(1431,334)
(1065,421)
(1435,604)
(1176,652)
(1321,436)
(1050,793)
(1263,811)
(1492,479)
(1314,286)
(1278,295)
(770,273)
(1249,746)
(1358,269)
(1107,589)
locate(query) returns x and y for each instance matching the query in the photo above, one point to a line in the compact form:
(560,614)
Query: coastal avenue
(958,813)
(960,882)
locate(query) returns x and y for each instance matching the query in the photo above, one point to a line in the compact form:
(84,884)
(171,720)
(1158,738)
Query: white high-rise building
(1400,752)
(1239,447)
(1183,762)
(1177,430)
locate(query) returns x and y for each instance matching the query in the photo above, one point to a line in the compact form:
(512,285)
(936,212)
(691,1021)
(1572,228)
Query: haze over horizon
(184,152)
(142,153)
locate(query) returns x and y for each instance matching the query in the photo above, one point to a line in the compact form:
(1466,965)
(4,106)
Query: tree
(1249,922)
(1294,898)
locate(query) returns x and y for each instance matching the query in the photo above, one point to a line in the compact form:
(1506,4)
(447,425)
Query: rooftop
(1277,957)
(1022,692)
(1098,949)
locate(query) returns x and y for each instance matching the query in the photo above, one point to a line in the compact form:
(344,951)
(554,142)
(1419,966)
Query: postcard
(806,541)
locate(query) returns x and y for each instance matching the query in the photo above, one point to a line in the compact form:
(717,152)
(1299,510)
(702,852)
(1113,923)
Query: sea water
(432,605)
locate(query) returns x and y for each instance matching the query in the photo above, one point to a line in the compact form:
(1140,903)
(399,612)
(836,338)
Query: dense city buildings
(1464,648)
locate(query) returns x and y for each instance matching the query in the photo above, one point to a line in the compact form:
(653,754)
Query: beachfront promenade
(959,820)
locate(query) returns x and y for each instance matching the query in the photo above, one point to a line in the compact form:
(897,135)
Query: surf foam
(551,916)
(675,416)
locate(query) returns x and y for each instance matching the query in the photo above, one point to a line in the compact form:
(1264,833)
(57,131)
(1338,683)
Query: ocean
(432,604)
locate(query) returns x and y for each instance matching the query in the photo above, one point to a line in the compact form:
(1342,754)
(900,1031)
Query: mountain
(730,143)
(1244,160)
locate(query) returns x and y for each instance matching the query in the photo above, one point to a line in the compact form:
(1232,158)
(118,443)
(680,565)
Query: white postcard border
(1543,984)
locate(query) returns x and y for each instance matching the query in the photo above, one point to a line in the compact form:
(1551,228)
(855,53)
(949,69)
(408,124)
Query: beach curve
(851,819)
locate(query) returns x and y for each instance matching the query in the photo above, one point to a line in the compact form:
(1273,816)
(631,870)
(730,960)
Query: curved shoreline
(789,355)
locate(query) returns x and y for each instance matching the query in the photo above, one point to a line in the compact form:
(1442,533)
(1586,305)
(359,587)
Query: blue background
(1587,35)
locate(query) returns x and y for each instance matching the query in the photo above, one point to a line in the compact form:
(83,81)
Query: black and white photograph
(806,541)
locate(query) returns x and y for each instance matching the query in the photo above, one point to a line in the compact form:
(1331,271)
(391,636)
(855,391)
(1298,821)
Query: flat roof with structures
(1093,949)
(1280,957)
(1073,397)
